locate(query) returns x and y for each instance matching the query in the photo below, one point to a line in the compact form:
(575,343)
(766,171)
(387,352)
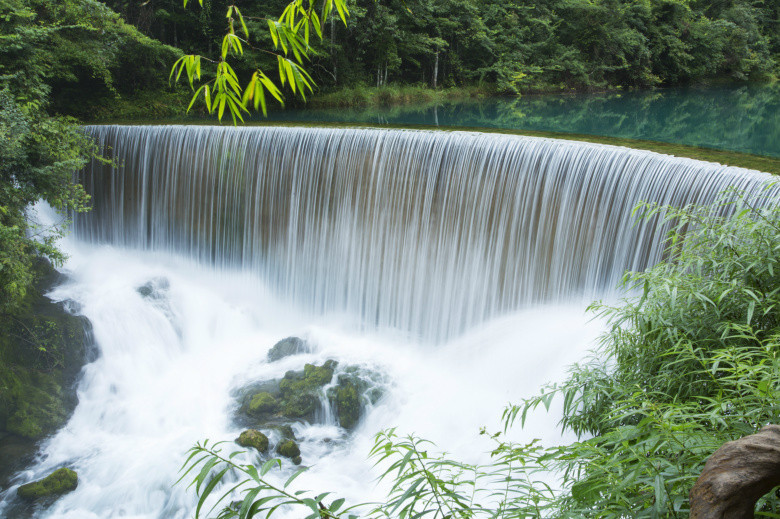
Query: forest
(515,46)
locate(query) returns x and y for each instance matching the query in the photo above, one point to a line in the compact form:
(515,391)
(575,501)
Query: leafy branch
(291,36)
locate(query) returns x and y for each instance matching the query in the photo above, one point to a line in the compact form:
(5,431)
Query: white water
(167,366)
(465,304)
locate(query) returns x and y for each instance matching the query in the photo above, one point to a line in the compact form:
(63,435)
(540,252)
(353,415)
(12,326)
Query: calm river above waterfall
(744,118)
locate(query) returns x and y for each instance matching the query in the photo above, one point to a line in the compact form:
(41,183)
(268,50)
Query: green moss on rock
(57,483)
(288,449)
(263,403)
(348,404)
(253,438)
(42,350)
(300,390)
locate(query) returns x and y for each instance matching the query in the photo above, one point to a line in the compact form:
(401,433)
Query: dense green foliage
(518,45)
(55,57)
(690,362)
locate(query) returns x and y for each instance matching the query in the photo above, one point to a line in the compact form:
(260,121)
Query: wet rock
(15,454)
(57,483)
(348,404)
(42,350)
(300,390)
(286,431)
(289,449)
(263,403)
(737,475)
(356,388)
(253,438)
(287,347)
(155,288)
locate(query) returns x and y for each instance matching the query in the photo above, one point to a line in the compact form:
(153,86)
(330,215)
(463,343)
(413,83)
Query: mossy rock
(16,453)
(263,403)
(287,347)
(253,438)
(42,351)
(273,403)
(300,390)
(57,483)
(348,404)
(286,431)
(289,449)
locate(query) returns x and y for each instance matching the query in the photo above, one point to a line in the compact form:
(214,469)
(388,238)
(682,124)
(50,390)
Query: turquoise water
(738,118)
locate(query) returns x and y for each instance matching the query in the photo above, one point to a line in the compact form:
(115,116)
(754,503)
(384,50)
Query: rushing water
(455,264)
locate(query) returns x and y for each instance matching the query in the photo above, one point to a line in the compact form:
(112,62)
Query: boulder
(357,387)
(253,438)
(286,348)
(289,449)
(263,403)
(57,483)
(737,475)
(348,405)
(300,390)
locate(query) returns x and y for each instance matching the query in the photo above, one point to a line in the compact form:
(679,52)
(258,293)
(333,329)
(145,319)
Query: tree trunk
(332,45)
(436,70)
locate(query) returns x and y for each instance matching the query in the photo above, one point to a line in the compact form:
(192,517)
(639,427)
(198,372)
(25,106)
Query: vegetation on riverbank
(515,46)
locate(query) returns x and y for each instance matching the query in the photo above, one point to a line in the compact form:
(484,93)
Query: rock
(253,438)
(58,482)
(737,475)
(286,431)
(16,453)
(286,348)
(263,403)
(347,404)
(155,288)
(297,460)
(356,386)
(42,350)
(300,390)
(289,449)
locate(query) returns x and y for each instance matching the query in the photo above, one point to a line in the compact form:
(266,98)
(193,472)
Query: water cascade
(456,265)
(427,232)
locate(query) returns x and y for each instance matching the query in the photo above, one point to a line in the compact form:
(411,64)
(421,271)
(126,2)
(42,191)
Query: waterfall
(207,245)
(424,231)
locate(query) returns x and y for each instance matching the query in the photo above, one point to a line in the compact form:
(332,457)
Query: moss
(253,438)
(286,431)
(288,449)
(263,403)
(348,404)
(58,482)
(300,390)
(42,350)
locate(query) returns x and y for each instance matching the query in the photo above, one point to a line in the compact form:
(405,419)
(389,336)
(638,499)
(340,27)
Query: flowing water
(457,265)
